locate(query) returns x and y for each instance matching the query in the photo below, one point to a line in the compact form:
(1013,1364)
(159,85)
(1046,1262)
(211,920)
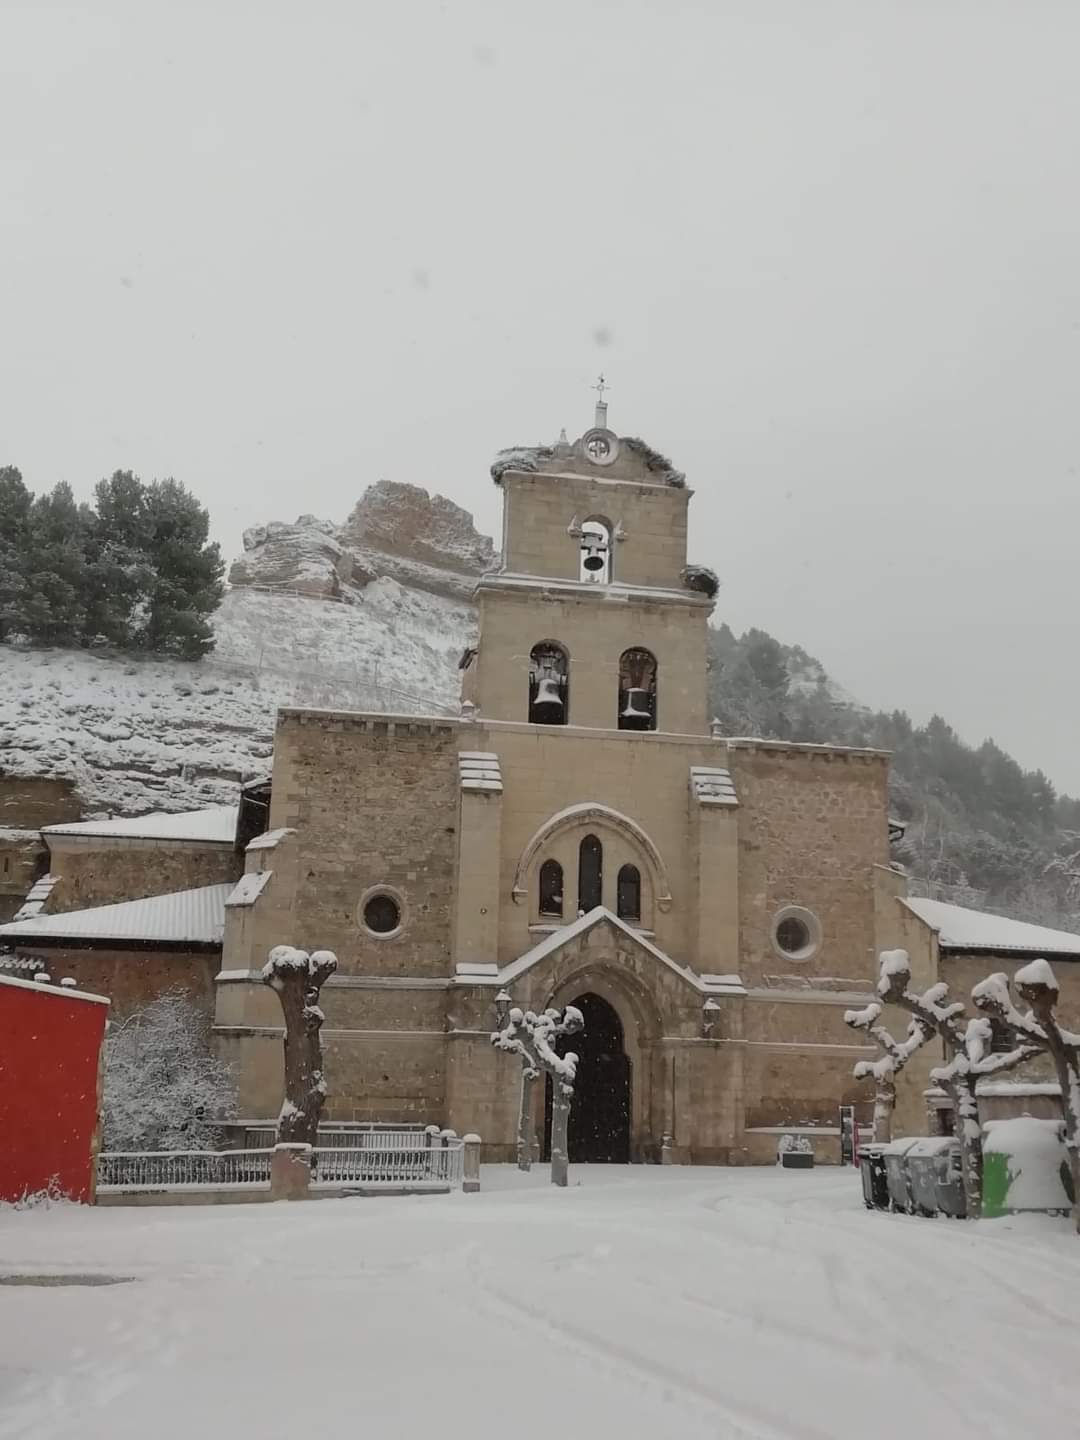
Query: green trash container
(928,1164)
(896,1176)
(1025,1168)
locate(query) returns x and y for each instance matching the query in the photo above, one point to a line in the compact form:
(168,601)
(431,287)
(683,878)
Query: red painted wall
(50,1041)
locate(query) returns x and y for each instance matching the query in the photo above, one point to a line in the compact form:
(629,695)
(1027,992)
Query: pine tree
(187,584)
(15,501)
(55,603)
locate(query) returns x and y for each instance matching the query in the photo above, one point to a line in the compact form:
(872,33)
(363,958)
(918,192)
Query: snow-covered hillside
(140,735)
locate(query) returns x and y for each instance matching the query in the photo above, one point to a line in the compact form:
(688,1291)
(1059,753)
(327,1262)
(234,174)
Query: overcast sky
(826,253)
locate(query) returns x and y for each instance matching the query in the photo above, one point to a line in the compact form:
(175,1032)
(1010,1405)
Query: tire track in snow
(750,1422)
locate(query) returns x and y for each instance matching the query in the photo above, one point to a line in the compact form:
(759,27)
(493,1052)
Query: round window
(382,914)
(796,933)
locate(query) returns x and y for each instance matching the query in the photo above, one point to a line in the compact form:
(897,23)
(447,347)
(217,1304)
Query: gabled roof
(977,930)
(490,975)
(194,917)
(217,824)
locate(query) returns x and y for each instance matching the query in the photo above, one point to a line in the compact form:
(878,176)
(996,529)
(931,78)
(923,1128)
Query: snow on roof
(36,896)
(479,770)
(249,887)
(216,824)
(185,916)
(712,785)
(64,991)
(962,929)
(270,839)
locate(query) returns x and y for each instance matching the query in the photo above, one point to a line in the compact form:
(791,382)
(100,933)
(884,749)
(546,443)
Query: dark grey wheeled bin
(933,1167)
(896,1175)
(875,1187)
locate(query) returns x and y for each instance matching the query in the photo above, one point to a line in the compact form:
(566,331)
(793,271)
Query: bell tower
(594,619)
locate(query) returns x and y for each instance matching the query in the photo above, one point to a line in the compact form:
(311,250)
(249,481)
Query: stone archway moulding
(591,813)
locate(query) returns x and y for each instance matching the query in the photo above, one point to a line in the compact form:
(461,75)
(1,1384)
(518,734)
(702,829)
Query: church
(579,835)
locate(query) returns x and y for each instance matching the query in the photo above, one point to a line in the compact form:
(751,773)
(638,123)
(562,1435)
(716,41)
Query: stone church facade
(579,835)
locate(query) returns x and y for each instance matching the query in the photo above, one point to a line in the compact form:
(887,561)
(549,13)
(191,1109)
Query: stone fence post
(290,1172)
(471,1165)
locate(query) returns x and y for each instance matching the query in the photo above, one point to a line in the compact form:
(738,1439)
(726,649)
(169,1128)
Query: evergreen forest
(135,570)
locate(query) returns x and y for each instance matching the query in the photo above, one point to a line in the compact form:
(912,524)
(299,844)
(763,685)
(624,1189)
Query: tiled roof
(712,786)
(962,929)
(191,916)
(218,823)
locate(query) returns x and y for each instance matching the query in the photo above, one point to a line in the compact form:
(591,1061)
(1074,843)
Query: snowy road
(680,1303)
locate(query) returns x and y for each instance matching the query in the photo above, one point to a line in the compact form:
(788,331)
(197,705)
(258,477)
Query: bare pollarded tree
(895,1055)
(1038,1031)
(297,977)
(532,1038)
(968,1057)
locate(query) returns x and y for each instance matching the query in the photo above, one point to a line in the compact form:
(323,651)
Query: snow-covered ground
(639,1302)
(139,735)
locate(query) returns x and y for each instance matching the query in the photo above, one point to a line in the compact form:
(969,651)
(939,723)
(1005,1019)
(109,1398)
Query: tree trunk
(561,1095)
(1068,1073)
(884,1105)
(1065,1054)
(305,1088)
(968,1132)
(524,1136)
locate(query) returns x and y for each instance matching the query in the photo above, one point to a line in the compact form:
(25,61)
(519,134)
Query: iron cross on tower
(601,405)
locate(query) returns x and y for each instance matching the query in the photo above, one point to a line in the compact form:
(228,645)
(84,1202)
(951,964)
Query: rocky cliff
(395,531)
(370,615)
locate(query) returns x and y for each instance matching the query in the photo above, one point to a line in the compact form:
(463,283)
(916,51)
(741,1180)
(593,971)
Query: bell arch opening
(599,1128)
(597,553)
(637,690)
(549,684)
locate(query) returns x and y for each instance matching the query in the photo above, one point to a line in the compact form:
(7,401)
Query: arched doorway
(599,1131)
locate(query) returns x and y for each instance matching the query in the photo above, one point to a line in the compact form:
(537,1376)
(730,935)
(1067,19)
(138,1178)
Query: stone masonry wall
(23,858)
(375,804)
(812,825)
(132,978)
(109,871)
(539,509)
(36,801)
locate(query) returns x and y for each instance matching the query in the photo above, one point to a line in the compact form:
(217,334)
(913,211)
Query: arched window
(549,684)
(590,875)
(637,690)
(597,555)
(551,890)
(628,893)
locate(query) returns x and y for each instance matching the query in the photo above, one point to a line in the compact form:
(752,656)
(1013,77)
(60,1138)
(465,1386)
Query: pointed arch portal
(599,1131)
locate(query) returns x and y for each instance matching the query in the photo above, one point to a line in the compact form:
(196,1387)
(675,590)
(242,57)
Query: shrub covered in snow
(163,1089)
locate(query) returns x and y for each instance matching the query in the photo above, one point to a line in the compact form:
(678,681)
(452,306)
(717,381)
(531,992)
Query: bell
(635,713)
(593,560)
(548,705)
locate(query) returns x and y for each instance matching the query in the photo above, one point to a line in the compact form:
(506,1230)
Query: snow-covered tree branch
(968,1056)
(532,1038)
(163,1090)
(1036,1031)
(297,977)
(895,1055)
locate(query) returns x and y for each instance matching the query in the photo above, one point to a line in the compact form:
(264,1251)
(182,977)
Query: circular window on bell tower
(380,912)
(601,446)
